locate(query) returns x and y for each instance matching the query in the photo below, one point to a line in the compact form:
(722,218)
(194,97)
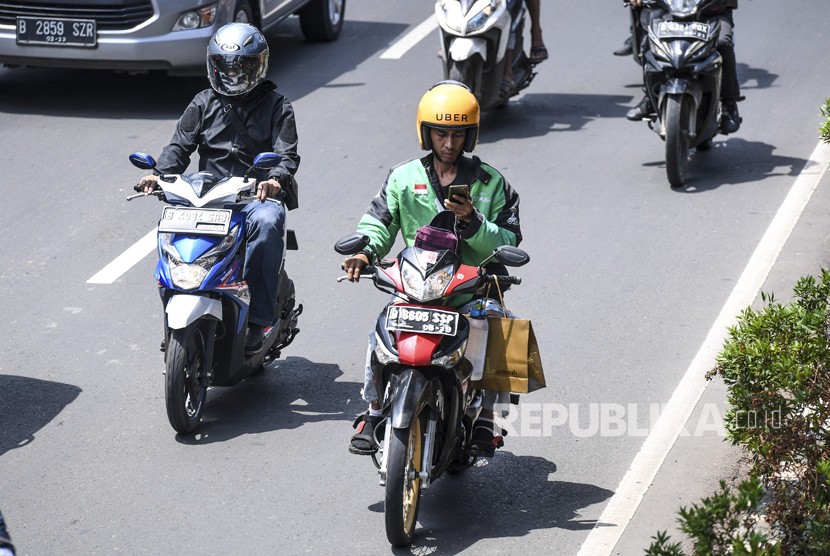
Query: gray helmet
(237,59)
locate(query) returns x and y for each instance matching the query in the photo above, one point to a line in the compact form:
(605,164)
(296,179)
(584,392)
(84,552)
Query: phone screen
(459,190)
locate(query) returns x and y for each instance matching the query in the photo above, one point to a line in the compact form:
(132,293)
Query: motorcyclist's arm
(381,221)
(175,157)
(484,234)
(285,141)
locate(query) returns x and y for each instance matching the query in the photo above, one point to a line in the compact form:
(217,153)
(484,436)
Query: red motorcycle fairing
(416,348)
(393,274)
(465,275)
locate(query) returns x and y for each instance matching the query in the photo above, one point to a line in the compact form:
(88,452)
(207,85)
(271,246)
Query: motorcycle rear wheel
(186,379)
(403,484)
(676,118)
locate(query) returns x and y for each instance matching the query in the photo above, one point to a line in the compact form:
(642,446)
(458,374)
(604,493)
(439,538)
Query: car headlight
(425,290)
(196,19)
(451,359)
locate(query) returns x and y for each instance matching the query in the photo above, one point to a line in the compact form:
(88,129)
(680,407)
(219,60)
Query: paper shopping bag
(512,363)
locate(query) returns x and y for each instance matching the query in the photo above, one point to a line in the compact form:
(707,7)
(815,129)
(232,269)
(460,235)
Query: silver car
(143,35)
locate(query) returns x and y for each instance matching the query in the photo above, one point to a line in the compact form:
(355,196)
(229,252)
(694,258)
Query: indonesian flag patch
(420,188)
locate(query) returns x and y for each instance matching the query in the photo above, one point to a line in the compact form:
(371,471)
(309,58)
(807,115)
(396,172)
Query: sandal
(484,442)
(506,88)
(538,54)
(363,442)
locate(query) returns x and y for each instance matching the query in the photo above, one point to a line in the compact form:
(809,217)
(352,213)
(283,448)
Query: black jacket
(227,146)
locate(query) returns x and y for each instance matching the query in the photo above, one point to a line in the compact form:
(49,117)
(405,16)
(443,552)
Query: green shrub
(776,365)
(824,130)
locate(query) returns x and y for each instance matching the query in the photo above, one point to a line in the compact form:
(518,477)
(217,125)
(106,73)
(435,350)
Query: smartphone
(459,190)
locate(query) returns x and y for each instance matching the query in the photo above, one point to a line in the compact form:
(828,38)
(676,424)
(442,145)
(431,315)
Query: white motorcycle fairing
(455,22)
(182,309)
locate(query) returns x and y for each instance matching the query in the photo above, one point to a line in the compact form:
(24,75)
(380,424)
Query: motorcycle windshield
(684,8)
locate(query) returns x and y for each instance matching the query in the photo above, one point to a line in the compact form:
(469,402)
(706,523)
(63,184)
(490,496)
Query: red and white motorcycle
(422,375)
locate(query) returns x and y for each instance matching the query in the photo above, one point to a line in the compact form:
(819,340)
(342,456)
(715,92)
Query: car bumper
(175,52)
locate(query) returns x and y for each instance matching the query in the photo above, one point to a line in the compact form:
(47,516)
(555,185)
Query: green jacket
(409,199)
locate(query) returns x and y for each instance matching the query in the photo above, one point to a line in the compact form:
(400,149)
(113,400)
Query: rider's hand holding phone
(458,201)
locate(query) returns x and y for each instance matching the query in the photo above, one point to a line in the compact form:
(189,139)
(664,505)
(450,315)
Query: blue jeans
(265,234)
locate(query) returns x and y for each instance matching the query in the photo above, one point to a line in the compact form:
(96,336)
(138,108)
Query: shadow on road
(735,161)
(297,66)
(538,114)
(289,394)
(508,496)
(27,405)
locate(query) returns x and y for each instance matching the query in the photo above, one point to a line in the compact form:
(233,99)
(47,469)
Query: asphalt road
(626,279)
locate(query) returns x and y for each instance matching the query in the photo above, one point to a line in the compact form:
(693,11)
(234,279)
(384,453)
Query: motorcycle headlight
(479,20)
(451,359)
(384,355)
(188,276)
(425,290)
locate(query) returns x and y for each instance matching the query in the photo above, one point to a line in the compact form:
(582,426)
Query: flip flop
(538,54)
(506,89)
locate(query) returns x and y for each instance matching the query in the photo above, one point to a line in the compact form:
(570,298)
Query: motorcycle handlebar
(493,278)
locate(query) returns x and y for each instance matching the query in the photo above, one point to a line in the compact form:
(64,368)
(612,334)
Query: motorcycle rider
(412,195)
(730,89)
(6,545)
(240,116)
(538,50)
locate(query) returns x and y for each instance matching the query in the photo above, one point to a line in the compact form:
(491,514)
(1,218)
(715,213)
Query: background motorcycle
(682,74)
(474,36)
(428,406)
(201,247)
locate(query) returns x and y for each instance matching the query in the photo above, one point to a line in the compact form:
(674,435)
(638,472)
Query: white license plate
(410,318)
(683,30)
(189,220)
(56,31)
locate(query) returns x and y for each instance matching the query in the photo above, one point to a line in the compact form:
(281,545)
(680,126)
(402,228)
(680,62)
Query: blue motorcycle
(201,249)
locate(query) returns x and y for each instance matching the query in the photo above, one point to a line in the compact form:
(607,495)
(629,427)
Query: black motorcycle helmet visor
(232,74)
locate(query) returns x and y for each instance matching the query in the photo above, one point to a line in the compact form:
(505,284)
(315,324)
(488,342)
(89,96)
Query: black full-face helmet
(237,59)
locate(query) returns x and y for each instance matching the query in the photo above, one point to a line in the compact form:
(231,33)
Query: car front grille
(113,16)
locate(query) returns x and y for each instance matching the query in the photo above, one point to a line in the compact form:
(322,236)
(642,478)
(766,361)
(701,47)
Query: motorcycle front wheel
(186,379)
(468,72)
(403,483)
(676,119)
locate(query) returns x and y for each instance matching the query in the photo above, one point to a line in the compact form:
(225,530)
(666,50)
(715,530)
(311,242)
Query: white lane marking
(409,40)
(628,495)
(126,260)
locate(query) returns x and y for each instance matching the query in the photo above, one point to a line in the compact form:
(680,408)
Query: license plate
(419,319)
(57,31)
(680,30)
(195,221)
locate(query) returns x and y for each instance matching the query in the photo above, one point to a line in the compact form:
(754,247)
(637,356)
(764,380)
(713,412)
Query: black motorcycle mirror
(508,256)
(143,161)
(351,244)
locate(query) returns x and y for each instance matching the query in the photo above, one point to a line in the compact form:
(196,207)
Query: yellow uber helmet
(448,105)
